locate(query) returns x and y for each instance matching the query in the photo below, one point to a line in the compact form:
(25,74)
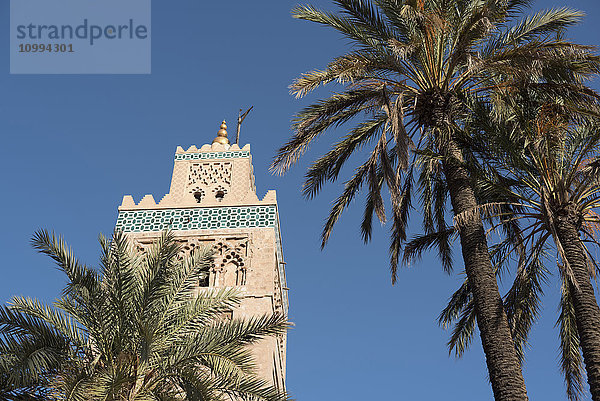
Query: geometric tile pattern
(212,155)
(197,218)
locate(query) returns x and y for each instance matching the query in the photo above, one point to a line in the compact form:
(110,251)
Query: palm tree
(16,383)
(413,65)
(547,196)
(137,329)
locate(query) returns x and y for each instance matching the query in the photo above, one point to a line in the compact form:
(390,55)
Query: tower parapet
(214,175)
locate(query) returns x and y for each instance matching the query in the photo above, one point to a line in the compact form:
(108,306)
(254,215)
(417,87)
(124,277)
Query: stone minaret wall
(212,202)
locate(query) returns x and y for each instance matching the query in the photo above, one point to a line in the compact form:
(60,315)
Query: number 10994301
(45,48)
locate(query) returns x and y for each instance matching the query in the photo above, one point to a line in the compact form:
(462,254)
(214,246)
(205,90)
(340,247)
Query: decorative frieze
(206,218)
(212,155)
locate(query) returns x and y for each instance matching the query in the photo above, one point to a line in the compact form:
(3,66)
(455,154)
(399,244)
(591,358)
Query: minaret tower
(213,202)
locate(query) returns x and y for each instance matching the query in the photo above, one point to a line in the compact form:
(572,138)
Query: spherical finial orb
(222,135)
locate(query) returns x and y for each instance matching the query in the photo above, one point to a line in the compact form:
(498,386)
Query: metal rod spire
(241,118)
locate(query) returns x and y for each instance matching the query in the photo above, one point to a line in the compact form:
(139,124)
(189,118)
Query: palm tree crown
(414,65)
(542,168)
(139,329)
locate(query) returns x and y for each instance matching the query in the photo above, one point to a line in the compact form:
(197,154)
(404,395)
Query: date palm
(137,329)
(413,64)
(546,198)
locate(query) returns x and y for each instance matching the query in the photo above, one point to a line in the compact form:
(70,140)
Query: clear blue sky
(72,146)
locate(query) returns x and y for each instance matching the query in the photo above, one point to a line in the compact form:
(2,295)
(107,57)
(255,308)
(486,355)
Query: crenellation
(127,202)
(210,147)
(147,201)
(270,197)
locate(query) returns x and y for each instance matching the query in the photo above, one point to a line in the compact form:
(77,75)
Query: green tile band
(212,155)
(197,219)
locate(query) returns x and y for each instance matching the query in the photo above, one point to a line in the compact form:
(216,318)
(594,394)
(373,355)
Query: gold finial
(222,135)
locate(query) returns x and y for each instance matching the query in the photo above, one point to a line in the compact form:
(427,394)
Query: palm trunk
(587,313)
(503,365)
